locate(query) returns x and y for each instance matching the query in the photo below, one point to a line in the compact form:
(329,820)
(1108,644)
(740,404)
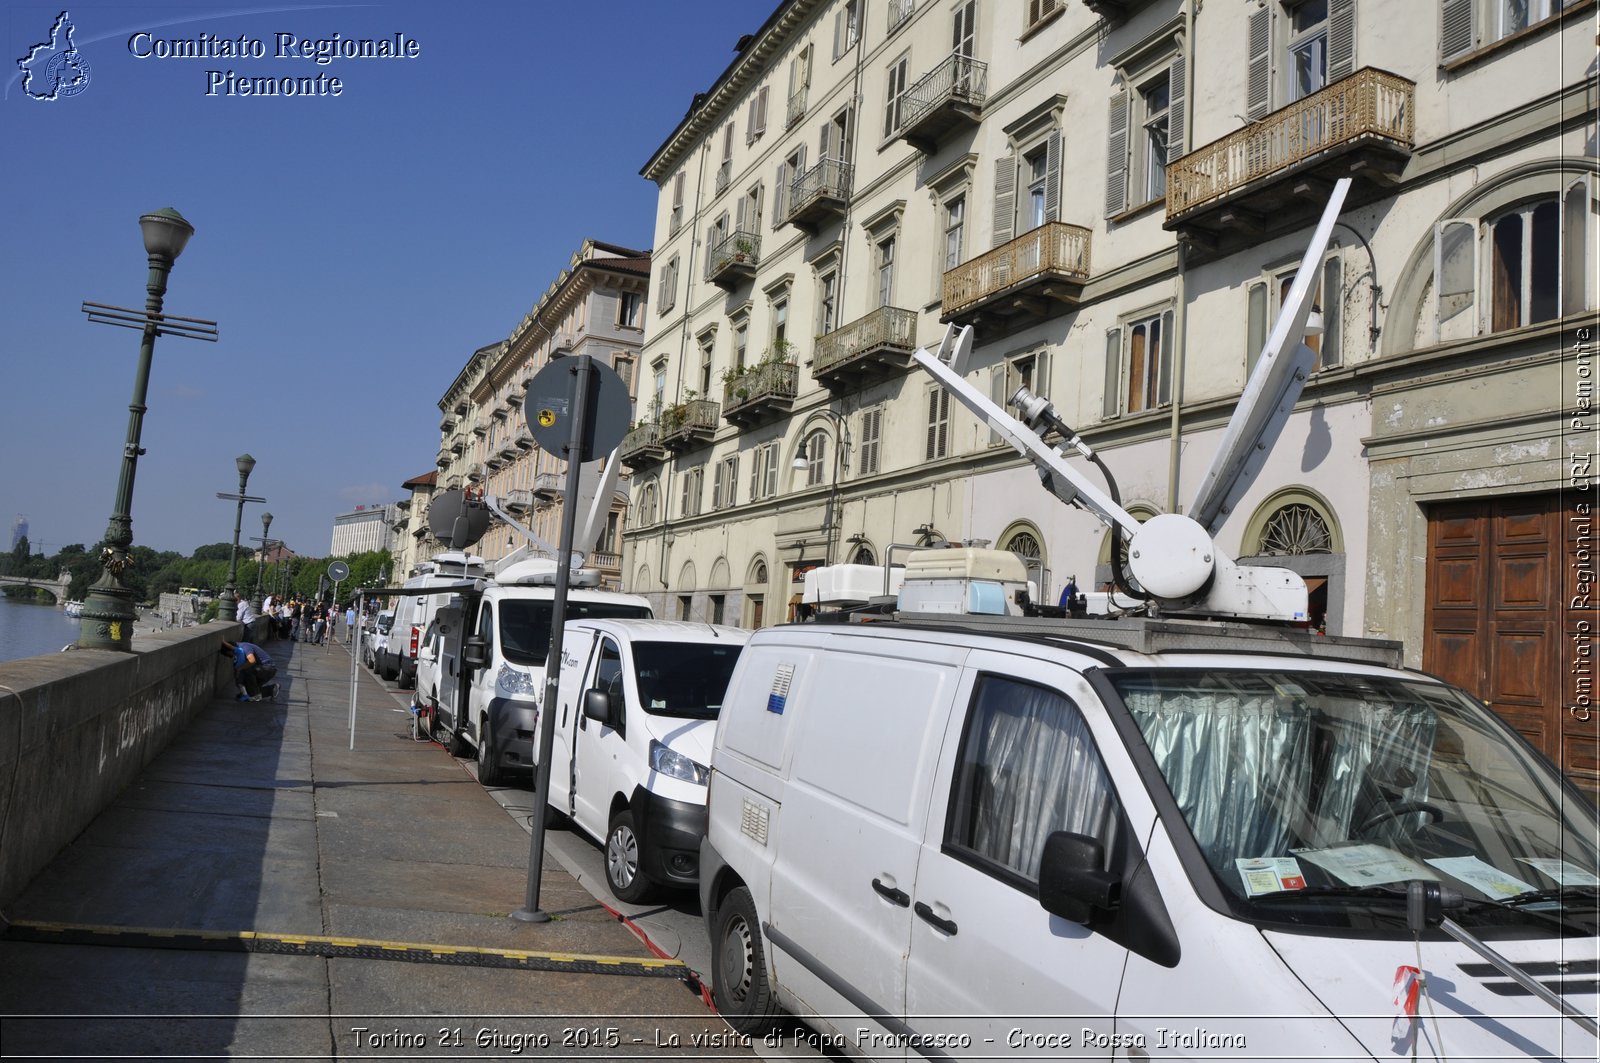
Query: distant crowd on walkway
(300,619)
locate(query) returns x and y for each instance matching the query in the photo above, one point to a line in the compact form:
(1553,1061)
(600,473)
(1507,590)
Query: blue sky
(354,249)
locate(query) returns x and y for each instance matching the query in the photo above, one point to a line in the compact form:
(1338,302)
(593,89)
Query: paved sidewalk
(297,873)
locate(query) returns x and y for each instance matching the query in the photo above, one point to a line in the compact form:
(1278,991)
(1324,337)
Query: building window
(708,349)
(799,80)
(675,219)
(846,27)
(693,488)
(630,309)
(685,606)
(1327,298)
(1031,371)
(895,93)
(658,400)
(886,271)
(1528,263)
(1466,25)
(1296,529)
(1295,49)
(669,285)
(955,214)
(1034,165)
(1034,178)
(871,447)
(1039,10)
(756,118)
(780,324)
(816,459)
(1145,130)
(764,472)
(789,171)
(1139,364)
(623,365)
(1154,99)
(649,499)
(725,483)
(718,606)
(827,298)
(1308,48)
(938,438)
(749,210)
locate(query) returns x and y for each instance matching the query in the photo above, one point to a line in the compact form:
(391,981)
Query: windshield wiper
(1565,894)
(1391,893)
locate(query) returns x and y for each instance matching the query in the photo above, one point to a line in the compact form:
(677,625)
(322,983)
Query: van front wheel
(490,773)
(740,989)
(623,873)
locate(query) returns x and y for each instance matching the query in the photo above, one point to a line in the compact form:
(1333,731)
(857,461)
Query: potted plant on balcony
(743,249)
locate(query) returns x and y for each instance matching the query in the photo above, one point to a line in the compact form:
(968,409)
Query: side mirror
(597,706)
(1071,882)
(475,652)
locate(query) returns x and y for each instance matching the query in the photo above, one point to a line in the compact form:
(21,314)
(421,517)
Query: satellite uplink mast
(1173,557)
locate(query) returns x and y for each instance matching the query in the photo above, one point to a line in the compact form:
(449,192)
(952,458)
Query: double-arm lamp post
(261,559)
(228,606)
(108,610)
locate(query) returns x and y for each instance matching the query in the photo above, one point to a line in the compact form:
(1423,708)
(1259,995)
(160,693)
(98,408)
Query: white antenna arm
(592,519)
(1274,385)
(494,506)
(1066,482)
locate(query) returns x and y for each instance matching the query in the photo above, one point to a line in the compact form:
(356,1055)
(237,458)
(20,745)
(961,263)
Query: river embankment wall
(77,727)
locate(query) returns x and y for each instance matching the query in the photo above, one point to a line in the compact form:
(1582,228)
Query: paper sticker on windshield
(1269,874)
(1494,883)
(1366,865)
(780,688)
(1564,873)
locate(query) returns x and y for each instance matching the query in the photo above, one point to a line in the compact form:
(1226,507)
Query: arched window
(1296,529)
(816,458)
(758,573)
(648,497)
(863,555)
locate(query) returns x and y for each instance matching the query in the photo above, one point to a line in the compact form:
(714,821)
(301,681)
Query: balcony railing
(642,446)
(733,258)
(724,175)
(797,109)
(519,500)
(549,485)
(821,191)
(949,97)
(447,422)
(446,456)
(899,12)
(605,561)
(688,424)
(871,346)
(458,442)
(1052,261)
(475,472)
(761,393)
(524,439)
(1368,105)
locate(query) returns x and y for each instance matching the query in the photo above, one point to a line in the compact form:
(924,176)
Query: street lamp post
(841,459)
(228,604)
(261,559)
(108,611)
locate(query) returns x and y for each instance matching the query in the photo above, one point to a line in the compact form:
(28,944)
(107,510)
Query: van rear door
(867,730)
(1021,759)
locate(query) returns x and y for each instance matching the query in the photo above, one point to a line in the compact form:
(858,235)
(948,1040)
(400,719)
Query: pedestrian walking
(349,623)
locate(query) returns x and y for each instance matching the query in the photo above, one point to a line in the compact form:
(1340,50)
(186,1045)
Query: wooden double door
(1511,617)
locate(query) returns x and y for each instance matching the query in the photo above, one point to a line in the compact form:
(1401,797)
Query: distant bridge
(57,587)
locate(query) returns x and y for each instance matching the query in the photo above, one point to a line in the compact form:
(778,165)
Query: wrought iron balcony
(869,348)
(947,99)
(733,259)
(688,424)
(797,109)
(820,193)
(1273,175)
(642,447)
(899,12)
(519,500)
(1037,275)
(762,393)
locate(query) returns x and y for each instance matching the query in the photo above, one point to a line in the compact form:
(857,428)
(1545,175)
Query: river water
(28,630)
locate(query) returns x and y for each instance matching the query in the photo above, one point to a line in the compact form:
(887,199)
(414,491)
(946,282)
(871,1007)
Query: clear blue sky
(354,250)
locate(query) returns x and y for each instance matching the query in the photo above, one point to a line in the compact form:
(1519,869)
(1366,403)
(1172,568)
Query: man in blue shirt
(252,670)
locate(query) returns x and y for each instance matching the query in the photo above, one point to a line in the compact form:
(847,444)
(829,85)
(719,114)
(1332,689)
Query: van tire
(490,773)
(623,873)
(455,744)
(739,966)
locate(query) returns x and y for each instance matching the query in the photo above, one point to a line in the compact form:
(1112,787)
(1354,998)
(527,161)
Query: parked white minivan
(965,837)
(413,612)
(638,706)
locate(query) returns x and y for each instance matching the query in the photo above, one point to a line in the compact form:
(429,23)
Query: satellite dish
(454,520)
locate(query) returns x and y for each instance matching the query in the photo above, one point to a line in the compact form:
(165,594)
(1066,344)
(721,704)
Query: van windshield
(684,680)
(1316,797)
(525,624)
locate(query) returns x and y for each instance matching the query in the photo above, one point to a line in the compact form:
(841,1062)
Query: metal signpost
(338,572)
(577,399)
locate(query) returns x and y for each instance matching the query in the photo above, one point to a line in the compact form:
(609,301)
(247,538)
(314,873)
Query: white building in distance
(362,529)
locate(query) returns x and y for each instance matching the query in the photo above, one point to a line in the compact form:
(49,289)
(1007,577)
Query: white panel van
(638,707)
(982,838)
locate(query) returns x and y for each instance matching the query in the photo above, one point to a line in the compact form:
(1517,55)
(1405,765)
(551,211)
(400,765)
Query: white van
(413,612)
(490,669)
(638,707)
(376,641)
(985,837)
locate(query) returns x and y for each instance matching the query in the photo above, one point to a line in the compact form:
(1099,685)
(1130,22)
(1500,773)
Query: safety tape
(340,948)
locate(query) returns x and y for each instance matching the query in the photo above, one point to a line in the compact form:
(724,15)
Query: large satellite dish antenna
(454,520)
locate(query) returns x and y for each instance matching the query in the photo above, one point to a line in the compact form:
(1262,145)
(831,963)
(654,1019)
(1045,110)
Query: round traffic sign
(338,572)
(552,404)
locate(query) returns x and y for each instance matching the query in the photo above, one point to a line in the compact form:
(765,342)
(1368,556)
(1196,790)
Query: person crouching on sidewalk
(252,669)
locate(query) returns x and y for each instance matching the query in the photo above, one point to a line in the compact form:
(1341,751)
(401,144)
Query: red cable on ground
(690,978)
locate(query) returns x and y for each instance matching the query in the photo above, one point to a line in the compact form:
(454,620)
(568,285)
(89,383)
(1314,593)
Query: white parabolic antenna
(1174,556)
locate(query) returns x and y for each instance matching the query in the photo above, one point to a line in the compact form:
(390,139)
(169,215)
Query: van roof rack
(1148,635)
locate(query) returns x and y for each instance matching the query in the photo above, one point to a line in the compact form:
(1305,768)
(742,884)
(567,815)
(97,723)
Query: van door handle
(900,897)
(947,925)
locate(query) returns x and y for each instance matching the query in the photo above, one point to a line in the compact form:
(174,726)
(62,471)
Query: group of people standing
(301,619)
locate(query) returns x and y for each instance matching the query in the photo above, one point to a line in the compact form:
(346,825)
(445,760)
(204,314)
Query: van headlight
(675,765)
(512,682)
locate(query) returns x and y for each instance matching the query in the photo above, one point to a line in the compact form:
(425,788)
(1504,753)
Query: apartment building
(1115,194)
(595,306)
(413,541)
(364,528)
